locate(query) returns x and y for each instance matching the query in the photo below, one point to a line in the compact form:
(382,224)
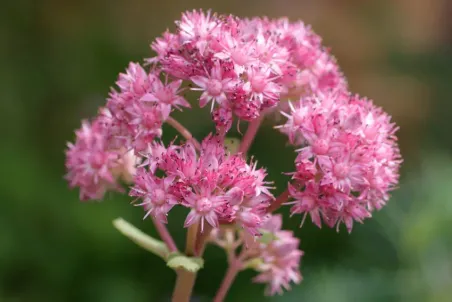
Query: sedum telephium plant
(242,70)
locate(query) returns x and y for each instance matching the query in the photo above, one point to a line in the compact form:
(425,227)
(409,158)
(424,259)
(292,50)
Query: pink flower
(155,193)
(135,80)
(253,181)
(306,170)
(197,27)
(215,86)
(295,121)
(203,207)
(354,210)
(153,156)
(244,107)
(182,162)
(342,172)
(144,124)
(90,162)
(307,201)
(165,93)
(251,214)
(260,85)
(222,117)
(271,53)
(239,51)
(164,45)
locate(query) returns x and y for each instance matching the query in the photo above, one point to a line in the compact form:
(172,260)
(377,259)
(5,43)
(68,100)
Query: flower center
(159,195)
(310,202)
(97,160)
(371,132)
(149,119)
(258,83)
(320,147)
(238,57)
(214,87)
(165,95)
(298,118)
(341,170)
(203,205)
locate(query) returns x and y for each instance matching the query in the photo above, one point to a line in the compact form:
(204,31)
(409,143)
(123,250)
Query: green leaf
(253,263)
(147,242)
(232,144)
(190,264)
(267,237)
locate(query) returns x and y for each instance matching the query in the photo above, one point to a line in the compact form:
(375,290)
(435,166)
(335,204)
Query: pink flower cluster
(275,255)
(280,258)
(215,186)
(348,158)
(141,106)
(245,66)
(94,165)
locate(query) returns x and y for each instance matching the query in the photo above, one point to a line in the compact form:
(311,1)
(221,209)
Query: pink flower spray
(242,69)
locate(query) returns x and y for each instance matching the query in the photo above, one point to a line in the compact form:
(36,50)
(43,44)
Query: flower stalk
(183,288)
(165,235)
(235,266)
(276,204)
(184,132)
(185,280)
(249,136)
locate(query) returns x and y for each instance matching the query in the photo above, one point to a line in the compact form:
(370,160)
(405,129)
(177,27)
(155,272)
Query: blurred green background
(58,60)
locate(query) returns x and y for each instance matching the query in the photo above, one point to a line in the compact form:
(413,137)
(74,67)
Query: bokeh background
(58,60)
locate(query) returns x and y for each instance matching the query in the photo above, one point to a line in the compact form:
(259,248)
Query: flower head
(142,104)
(247,65)
(214,185)
(280,258)
(347,162)
(91,162)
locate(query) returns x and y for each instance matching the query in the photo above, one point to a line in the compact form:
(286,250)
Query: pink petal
(175,85)
(204,99)
(200,81)
(235,196)
(212,219)
(192,218)
(149,97)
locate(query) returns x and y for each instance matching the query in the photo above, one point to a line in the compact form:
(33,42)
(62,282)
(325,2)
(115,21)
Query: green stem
(186,280)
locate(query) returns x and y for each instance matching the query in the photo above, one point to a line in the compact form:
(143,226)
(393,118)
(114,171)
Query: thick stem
(249,136)
(165,235)
(184,286)
(201,240)
(186,280)
(234,268)
(278,201)
(183,131)
(190,244)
